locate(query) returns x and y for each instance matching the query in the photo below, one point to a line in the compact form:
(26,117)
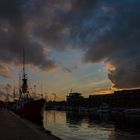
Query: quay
(13,127)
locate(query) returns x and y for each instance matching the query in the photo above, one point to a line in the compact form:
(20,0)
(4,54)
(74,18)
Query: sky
(89,46)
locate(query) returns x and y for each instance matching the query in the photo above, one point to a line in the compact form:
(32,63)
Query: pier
(13,127)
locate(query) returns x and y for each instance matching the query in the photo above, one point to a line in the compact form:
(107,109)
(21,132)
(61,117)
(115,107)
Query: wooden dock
(14,128)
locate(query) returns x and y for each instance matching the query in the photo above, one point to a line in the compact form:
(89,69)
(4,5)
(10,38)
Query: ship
(27,106)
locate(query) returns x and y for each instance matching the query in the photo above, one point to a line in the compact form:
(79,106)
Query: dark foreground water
(74,126)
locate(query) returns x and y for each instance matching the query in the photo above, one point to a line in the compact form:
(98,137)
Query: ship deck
(13,127)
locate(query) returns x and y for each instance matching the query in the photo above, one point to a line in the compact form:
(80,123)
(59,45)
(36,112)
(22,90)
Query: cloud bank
(14,36)
(107,31)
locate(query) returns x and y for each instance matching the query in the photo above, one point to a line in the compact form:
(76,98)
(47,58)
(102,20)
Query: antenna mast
(24,74)
(24,79)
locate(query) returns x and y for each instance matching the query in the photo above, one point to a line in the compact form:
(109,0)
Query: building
(74,101)
(122,98)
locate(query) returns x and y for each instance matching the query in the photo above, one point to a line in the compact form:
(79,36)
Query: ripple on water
(76,127)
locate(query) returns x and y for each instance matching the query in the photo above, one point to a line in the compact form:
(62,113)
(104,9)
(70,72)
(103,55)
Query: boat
(132,114)
(28,106)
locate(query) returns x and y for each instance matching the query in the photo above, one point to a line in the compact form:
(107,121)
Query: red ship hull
(32,110)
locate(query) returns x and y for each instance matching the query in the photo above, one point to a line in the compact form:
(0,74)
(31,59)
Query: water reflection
(74,118)
(78,126)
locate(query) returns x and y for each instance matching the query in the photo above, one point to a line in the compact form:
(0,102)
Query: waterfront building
(74,101)
(122,98)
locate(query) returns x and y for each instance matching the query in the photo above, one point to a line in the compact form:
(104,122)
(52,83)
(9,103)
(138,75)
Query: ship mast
(23,92)
(24,78)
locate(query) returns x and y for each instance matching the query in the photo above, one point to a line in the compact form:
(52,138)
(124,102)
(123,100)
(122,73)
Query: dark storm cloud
(61,21)
(30,24)
(10,10)
(120,47)
(107,30)
(14,36)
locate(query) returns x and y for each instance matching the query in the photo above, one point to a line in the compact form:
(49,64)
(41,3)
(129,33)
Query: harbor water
(76,126)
